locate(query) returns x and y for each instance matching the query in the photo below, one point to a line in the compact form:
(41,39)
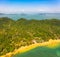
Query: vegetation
(23,32)
(41,52)
(49,45)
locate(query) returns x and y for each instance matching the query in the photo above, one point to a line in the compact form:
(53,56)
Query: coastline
(50,44)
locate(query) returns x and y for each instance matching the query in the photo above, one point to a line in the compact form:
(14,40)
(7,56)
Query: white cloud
(20,9)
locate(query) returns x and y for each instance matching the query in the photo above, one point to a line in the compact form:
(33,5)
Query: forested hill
(14,34)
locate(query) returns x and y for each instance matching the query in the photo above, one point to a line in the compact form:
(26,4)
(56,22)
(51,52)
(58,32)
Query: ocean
(37,16)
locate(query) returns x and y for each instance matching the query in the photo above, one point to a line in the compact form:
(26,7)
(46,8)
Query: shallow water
(41,52)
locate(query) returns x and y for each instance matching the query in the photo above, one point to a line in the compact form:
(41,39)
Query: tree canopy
(14,34)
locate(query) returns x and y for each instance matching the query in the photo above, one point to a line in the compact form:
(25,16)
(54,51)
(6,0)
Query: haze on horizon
(29,6)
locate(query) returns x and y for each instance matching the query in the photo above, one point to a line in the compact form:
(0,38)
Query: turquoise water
(41,52)
(33,16)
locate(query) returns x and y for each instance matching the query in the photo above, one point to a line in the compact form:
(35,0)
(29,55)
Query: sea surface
(38,16)
(41,52)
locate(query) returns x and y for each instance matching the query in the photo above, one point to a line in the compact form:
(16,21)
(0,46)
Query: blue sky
(29,6)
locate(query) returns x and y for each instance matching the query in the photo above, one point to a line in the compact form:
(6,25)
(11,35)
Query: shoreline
(50,44)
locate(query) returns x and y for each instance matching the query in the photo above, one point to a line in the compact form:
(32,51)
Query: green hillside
(41,52)
(14,34)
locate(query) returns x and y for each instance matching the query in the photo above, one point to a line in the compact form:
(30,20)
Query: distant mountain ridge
(38,16)
(1,13)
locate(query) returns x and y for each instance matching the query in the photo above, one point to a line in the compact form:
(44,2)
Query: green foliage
(14,34)
(41,52)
